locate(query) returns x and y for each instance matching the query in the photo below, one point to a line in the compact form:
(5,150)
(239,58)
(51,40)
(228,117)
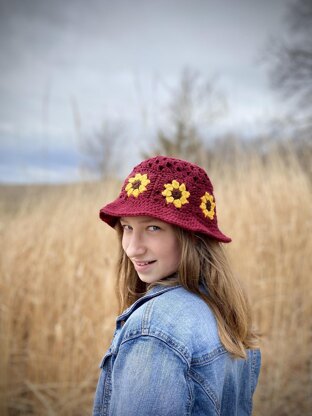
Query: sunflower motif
(176,194)
(137,184)
(208,205)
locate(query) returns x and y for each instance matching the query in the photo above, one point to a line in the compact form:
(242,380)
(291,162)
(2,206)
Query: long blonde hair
(203,262)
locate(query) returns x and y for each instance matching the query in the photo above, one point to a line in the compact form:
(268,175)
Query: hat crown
(162,165)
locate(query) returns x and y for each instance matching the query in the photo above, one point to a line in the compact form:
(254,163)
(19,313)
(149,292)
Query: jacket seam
(171,346)
(253,382)
(207,390)
(254,367)
(147,315)
(209,357)
(102,408)
(191,394)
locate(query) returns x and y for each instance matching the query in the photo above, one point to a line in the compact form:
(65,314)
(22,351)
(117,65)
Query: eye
(126,227)
(153,228)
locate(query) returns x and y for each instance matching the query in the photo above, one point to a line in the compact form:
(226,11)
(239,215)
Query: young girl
(184,343)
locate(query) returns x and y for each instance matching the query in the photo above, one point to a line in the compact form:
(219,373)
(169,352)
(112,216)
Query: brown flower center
(136,185)
(208,205)
(176,193)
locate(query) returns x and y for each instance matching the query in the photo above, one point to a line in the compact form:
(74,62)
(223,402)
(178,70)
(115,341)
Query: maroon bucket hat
(172,190)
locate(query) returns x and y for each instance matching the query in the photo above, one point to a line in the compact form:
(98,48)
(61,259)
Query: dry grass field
(57,286)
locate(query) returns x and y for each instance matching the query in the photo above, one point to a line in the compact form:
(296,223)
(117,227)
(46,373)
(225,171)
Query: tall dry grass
(57,286)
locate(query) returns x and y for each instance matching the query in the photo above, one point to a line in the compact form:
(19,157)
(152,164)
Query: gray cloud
(112,60)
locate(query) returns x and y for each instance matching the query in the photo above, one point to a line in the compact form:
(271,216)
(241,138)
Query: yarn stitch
(174,191)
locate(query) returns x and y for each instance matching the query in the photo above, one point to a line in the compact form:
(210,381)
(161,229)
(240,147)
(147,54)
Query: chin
(149,279)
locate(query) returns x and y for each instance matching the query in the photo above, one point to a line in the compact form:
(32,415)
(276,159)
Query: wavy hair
(203,264)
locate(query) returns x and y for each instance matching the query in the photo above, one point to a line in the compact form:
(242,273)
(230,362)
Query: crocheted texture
(172,190)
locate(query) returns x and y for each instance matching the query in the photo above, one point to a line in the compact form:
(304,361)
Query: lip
(141,266)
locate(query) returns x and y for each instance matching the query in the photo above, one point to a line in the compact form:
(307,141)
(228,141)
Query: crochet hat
(172,190)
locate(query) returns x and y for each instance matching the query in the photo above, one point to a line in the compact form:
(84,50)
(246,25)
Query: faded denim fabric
(166,359)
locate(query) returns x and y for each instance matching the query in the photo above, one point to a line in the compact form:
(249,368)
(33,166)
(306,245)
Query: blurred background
(87,90)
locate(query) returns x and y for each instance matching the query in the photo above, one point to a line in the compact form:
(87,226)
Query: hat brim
(112,212)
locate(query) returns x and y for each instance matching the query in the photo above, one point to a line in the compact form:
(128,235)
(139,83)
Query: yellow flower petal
(136,193)
(168,186)
(130,192)
(186,194)
(169,199)
(129,186)
(184,200)
(182,187)
(175,184)
(166,192)
(177,203)
(142,188)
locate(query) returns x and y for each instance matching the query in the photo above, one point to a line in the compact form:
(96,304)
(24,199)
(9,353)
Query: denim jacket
(166,358)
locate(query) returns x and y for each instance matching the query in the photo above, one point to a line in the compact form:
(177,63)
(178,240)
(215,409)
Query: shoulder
(180,318)
(181,305)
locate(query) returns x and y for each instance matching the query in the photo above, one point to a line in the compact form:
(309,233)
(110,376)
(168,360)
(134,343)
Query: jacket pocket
(104,386)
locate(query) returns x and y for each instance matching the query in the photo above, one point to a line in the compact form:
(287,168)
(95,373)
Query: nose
(133,244)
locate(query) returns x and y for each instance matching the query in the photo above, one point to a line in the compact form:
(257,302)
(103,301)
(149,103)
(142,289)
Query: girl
(184,345)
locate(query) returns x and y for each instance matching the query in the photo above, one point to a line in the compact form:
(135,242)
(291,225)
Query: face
(152,246)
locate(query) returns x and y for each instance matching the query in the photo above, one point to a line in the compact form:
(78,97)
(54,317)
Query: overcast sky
(67,66)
